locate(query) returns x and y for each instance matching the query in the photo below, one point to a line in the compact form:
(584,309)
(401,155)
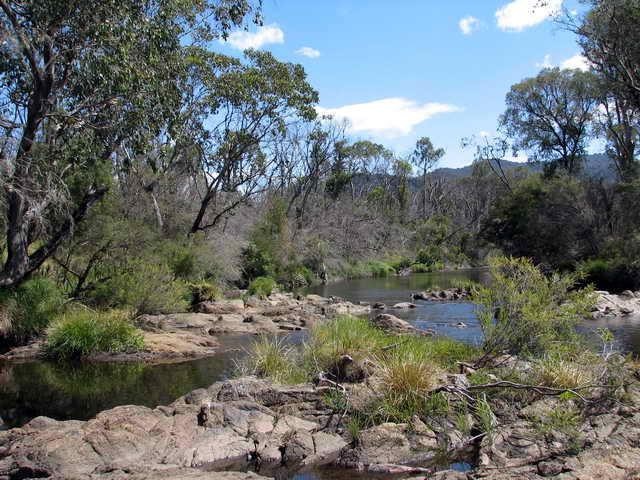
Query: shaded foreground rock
(231,425)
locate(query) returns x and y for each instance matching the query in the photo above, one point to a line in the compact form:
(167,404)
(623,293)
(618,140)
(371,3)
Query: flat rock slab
(219,428)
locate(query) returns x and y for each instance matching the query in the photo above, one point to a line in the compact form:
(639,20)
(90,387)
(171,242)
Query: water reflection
(444,318)
(79,391)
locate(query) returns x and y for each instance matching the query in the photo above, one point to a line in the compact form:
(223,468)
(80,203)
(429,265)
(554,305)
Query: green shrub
(28,310)
(380,269)
(295,276)
(204,292)
(400,263)
(525,312)
(80,332)
(614,275)
(420,268)
(262,287)
(256,263)
(145,287)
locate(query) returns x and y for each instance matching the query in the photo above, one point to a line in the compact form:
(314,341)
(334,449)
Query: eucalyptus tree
(245,109)
(425,158)
(78,80)
(549,116)
(610,40)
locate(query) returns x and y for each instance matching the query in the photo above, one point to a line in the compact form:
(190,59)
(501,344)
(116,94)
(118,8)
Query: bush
(256,263)
(613,275)
(262,287)
(295,276)
(525,312)
(204,292)
(400,263)
(28,310)
(80,332)
(420,268)
(145,287)
(380,269)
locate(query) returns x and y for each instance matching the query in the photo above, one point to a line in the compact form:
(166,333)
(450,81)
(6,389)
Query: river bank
(280,431)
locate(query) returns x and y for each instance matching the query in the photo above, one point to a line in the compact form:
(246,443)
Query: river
(79,391)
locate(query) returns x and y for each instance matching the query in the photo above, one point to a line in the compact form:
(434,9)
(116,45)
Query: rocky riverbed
(275,430)
(183,336)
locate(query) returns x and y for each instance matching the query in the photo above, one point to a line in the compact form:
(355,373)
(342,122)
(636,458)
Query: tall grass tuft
(345,335)
(80,332)
(271,357)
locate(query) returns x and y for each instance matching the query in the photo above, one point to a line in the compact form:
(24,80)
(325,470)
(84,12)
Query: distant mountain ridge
(597,165)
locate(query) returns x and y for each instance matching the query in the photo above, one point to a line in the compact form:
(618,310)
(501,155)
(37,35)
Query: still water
(80,391)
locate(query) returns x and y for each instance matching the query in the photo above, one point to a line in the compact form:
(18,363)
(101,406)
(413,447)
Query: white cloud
(520,14)
(577,62)
(389,117)
(484,134)
(520,157)
(308,52)
(265,35)
(546,62)
(468,24)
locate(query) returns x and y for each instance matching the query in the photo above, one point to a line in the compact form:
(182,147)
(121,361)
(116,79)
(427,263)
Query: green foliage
(380,269)
(345,335)
(80,332)
(421,268)
(611,274)
(561,419)
(399,262)
(484,414)
(524,222)
(204,292)
(547,116)
(525,312)
(559,370)
(145,287)
(28,309)
(262,287)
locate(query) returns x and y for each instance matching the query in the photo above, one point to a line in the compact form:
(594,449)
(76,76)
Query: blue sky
(406,69)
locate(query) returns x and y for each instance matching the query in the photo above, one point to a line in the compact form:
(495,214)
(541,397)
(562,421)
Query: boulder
(404,306)
(393,324)
(235,422)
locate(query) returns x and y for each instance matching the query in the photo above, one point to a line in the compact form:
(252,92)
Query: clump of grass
(564,419)
(421,268)
(407,379)
(262,287)
(345,335)
(486,418)
(558,372)
(273,358)
(80,332)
